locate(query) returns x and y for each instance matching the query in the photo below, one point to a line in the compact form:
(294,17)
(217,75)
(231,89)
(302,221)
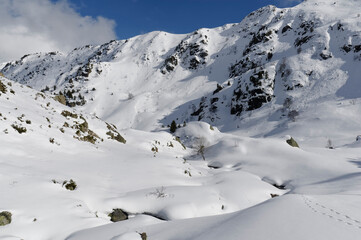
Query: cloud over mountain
(41,25)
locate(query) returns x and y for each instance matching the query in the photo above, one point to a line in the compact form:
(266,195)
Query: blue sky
(134,17)
(31,26)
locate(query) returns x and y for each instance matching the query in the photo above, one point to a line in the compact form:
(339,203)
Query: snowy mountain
(277,56)
(85,137)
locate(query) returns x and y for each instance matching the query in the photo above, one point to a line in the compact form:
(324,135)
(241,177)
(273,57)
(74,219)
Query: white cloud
(42,26)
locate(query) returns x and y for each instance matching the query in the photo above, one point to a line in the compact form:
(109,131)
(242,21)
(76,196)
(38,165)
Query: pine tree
(173,127)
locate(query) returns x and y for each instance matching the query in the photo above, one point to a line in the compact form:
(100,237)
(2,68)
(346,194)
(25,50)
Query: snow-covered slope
(294,57)
(65,169)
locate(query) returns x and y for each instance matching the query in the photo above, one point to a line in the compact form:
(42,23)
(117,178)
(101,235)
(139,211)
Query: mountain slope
(31,115)
(65,171)
(295,57)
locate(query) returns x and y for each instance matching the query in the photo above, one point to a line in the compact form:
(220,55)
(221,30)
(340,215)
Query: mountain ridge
(266,144)
(251,60)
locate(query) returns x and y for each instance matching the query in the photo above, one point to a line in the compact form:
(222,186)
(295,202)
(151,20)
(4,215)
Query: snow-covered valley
(85,136)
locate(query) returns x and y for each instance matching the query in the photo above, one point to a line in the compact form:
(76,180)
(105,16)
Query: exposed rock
(292,142)
(2,87)
(286,28)
(66,113)
(61,99)
(5,218)
(19,129)
(70,185)
(114,134)
(118,215)
(274,195)
(143,236)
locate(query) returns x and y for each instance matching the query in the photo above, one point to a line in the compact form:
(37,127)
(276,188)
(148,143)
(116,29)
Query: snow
(228,176)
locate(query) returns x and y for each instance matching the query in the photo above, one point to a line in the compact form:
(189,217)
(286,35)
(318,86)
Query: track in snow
(331,213)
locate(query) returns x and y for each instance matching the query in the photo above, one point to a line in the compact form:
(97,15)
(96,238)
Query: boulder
(118,215)
(292,142)
(70,185)
(5,218)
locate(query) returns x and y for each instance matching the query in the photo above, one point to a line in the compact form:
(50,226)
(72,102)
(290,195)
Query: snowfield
(238,93)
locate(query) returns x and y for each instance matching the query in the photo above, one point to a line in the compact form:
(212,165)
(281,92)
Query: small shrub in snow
(329,144)
(5,218)
(200,147)
(159,192)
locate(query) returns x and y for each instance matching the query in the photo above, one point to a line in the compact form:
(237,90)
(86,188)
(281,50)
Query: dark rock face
(190,52)
(252,94)
(286,28)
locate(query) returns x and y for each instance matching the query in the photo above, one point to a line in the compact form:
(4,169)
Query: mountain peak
(272,56)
